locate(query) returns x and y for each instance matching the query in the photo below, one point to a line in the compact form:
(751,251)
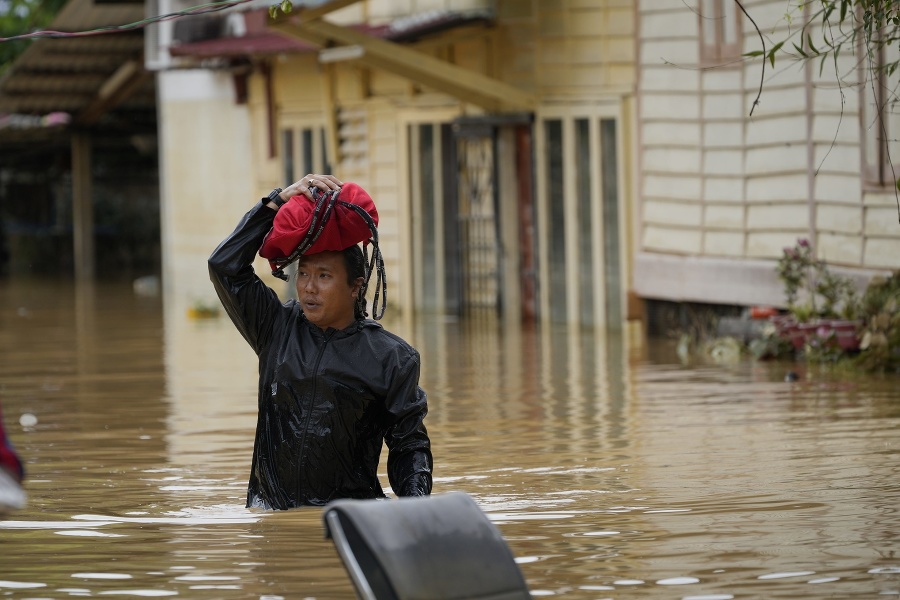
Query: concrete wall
(206,176)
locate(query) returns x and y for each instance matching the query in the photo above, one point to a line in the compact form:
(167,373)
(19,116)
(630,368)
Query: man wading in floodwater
(332,383)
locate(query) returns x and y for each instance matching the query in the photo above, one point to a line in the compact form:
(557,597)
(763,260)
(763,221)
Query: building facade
(739,159)
(552,160)
(495,137)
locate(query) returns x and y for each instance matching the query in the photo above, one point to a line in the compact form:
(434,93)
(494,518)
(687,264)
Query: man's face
(325,296)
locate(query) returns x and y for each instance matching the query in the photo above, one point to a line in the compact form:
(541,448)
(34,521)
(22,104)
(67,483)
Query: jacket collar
(357,325)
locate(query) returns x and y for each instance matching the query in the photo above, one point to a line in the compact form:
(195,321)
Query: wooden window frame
(878,171)
(720,52)
(303,160)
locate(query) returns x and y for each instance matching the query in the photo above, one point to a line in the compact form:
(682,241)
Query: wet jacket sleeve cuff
(418,484)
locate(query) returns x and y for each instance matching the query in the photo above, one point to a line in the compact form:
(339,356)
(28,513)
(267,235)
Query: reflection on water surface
(612,471)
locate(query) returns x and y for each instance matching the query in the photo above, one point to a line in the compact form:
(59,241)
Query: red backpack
(334,220)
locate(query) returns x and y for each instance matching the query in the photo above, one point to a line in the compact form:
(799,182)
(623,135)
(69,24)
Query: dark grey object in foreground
(439,547)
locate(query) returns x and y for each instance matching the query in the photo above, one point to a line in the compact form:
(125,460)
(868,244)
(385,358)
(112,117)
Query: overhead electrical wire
(200,9)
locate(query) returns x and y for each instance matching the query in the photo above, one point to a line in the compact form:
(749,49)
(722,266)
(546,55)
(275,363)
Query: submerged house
(495,137)
(558,161)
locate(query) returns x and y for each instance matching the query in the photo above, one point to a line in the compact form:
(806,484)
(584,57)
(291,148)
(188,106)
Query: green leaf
(772,52)
(286,6)
(273,11)
(810,44)
(753,53)
(800,51)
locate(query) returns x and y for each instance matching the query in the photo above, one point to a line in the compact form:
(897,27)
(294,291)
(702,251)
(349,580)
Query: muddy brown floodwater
(612,470)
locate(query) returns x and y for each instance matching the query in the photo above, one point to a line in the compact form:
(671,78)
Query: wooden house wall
(723,192)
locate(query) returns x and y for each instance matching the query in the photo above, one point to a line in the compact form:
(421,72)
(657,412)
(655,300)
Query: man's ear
(357,286)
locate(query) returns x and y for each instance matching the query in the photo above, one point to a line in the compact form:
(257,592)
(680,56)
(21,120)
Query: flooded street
(612,470)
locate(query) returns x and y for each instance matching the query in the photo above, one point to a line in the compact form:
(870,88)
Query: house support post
(82,207)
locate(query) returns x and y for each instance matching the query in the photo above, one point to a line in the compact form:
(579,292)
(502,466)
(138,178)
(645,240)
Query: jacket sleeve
(251,304)
(409,449)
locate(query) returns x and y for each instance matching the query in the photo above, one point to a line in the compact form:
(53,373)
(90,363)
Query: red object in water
(9,460)
(762,312)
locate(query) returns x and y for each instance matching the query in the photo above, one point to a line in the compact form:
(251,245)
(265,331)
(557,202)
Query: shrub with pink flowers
(811,289)
(829,321)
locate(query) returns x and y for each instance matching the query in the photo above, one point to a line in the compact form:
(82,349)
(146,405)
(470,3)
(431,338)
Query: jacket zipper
(308,418)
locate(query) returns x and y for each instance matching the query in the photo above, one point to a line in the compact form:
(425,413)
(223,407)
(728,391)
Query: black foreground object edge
(439,547)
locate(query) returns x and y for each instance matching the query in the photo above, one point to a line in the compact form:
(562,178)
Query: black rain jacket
(327,399)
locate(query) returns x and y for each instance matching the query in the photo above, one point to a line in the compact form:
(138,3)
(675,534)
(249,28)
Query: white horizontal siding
(723,162)
(723,106)
(882,221)
(723,134)
(776,216)
(721,80)
(668,23)
(671,186)
(777,159)
(836,127)
(777,187)
(760,187)
(771,244)
(839,249)
(723,189)
(668,213)
(835,187)
(670,107)
(838,158)
(672,160)
(724,217)
(677,52)
(668,239)
(724,243)
(778,100)
(667,78)
(885,198)
(664,134)
(779,129)
(769,16)
(842,219)
(882,252)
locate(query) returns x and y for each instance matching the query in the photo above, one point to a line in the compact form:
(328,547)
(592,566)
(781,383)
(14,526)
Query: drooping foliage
(823,29)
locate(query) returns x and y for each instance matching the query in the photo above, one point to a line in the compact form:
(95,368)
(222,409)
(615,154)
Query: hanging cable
(201,9)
